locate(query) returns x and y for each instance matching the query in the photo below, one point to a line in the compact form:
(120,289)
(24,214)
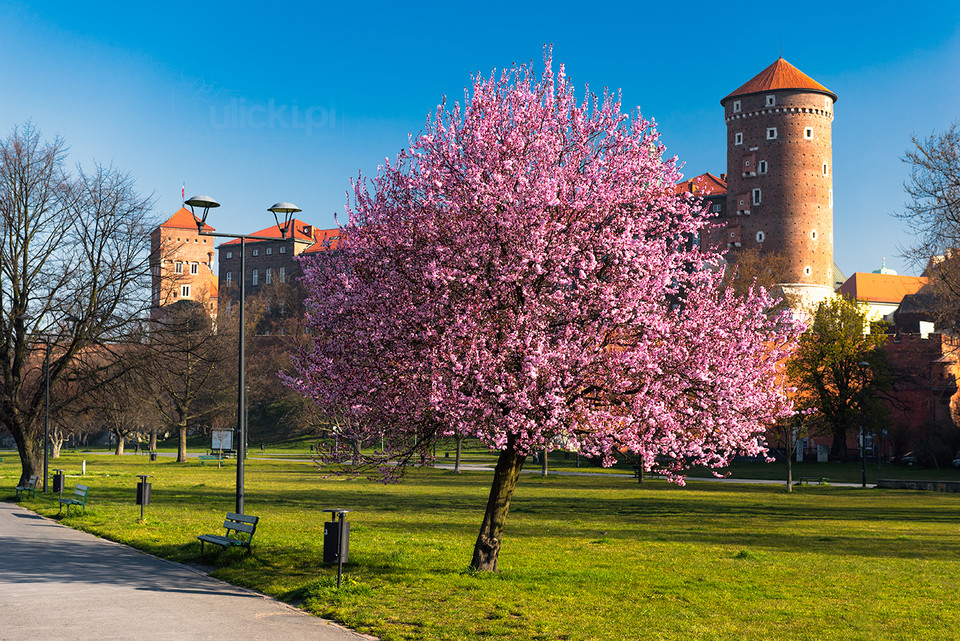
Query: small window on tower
(808,133)
(738,138)
(760,236)
(771,133)
(762,166)
(771,101)
(826,169)
(807,271)
(736,106)
(756,196)
(813,234)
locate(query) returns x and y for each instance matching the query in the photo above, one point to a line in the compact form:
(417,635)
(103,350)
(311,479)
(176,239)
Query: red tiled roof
(881,288)
(301,231)
(183,219)
(780,75)
(703,185)
(327,239)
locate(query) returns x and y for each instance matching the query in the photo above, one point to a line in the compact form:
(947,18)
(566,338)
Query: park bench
(810,480)
(30,486)
(210,457)
(242,526)
(79,498)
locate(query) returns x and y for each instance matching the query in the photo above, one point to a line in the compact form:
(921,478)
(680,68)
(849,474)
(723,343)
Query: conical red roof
(183,219)
(780,75)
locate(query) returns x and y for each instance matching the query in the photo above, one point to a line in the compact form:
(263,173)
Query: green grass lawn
(583,557)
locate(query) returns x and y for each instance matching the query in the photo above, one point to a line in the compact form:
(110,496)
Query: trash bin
(336,537)
(153,456)
(58,481)
(143,492)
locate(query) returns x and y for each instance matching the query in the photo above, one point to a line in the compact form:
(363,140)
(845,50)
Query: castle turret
(780,174)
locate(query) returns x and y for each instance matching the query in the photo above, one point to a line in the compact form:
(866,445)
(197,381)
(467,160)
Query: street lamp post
(46,428)
(287,209)
(863,419)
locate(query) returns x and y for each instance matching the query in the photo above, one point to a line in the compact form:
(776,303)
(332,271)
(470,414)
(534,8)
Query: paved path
(57,583)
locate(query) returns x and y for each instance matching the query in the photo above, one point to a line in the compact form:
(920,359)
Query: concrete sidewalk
(57,583)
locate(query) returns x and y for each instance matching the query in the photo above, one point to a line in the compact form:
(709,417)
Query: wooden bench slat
(238,523)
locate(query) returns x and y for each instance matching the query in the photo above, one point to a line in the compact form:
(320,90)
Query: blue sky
(253,103)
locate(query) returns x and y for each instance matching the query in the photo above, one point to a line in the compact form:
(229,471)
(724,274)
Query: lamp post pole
(288,210)
(46,429)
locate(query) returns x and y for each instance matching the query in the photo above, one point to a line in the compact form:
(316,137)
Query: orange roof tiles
(327,239)
(780,75)
(183,219)
(703,185)
(881,288)
(301,231)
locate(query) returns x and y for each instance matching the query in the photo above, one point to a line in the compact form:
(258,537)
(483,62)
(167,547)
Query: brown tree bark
(486,552)
(456,465)
(181,443)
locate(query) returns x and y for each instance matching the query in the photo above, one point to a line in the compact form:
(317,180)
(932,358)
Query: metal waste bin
(143,492)
(58,482)
(153,456)
(336,540)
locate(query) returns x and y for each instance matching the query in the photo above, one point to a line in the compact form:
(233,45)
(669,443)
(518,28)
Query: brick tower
(780,175)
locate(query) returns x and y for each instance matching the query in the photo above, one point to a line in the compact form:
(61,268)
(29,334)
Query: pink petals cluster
(524,269)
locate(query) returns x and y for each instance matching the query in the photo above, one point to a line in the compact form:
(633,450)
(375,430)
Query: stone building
(779,180)
(181,264)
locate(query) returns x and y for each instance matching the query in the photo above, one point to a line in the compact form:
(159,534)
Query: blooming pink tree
(523,274)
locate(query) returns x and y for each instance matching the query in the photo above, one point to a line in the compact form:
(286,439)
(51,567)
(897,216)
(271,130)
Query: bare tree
(74,273)
(186,368)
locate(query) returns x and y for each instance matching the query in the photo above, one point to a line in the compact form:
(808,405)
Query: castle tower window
(178,267)
(808,133)
(736,106)
(826,170)
(771,133)
(807,270)
(813,234)
(762,166)
(738,138)
(771,101)
(194,268)
(760,236)
(185,291)
(756,196)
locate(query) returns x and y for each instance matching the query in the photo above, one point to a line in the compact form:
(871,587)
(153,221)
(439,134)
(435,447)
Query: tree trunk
(31,454)
(456,465)
(153,439)
(839,447)
(56,443)
(181,444)
(487,550)
(119,450)
(543,471)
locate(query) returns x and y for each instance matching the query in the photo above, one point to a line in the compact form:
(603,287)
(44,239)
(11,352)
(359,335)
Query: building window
(771,101)
(269,250)
(808,133)
(256,252)
(229,254)
(827,103)
(268,276)
(826,170)
(185,291)
(283,249)
(736,106)
(830,199)
(283,275)
(762,166)
(229,278)
(716,208)
(771,133)
(255,278)
(738,138)
(194,268)
(813,234)
(178,267)
(756,196)
(760,236)
(807,271)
